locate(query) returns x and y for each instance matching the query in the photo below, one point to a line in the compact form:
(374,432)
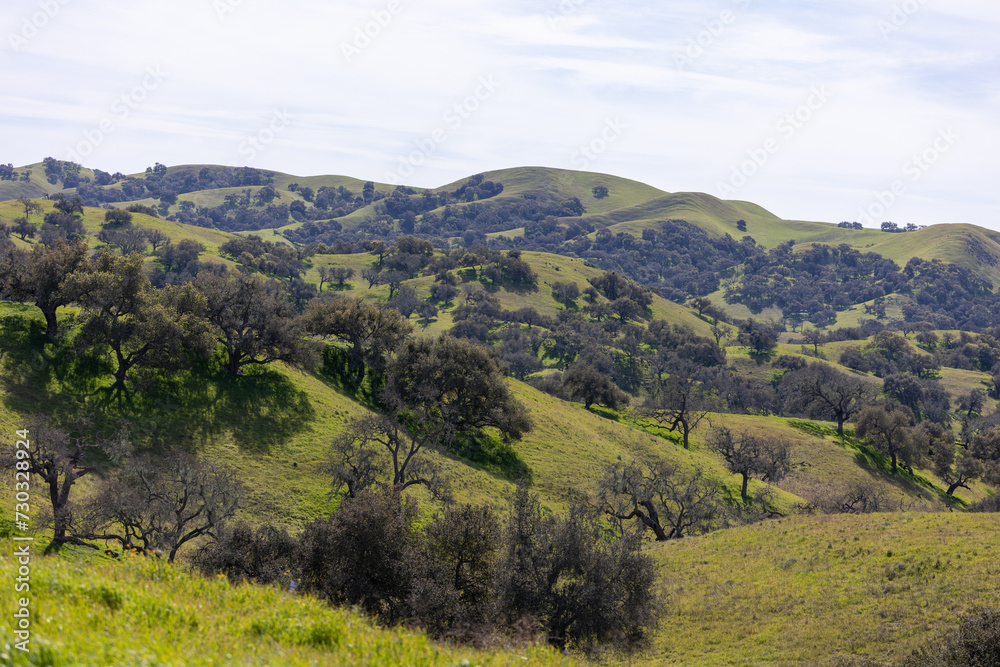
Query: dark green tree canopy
(453,386)
(254,319)
(372,331)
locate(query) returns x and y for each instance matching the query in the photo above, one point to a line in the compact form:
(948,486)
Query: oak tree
(750,455)
(822,392)
(254,319)
(448,387)
(372,331)
(40,277)
(141,325)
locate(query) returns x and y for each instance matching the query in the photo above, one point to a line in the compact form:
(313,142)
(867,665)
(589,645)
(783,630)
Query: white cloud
(564,67)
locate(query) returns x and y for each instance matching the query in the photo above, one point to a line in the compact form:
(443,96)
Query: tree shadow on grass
(42,375)
(492,455)
(335,373)
(260,409)
(879,465)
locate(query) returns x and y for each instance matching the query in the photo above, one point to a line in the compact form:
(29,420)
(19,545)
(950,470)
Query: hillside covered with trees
(513,410)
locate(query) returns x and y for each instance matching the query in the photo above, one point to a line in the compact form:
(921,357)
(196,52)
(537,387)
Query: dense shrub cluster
(468,573)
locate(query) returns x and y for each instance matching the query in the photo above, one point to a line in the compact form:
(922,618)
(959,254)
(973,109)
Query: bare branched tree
(164,504)
(377,450)
(60,458)
(659,497)
(751,456)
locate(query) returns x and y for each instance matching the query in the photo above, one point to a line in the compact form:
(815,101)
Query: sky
(858,110)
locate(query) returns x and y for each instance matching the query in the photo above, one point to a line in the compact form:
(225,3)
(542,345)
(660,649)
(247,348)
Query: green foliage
(494,455)
(820,430)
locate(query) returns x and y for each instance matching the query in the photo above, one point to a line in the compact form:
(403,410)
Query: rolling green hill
(143,612)
(630,207)
(305,411)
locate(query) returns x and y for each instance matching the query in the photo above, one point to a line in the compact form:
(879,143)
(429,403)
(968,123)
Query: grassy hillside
(549,267)
(820,590)
(143,612)
(37,186)
(804,589)
(566,183)
(275,424)
(631,207)
(93,219)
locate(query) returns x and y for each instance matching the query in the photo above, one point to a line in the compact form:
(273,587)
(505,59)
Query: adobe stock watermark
(223,7)
(121,108)
(913,169)
(365,35)
(22,543)
(253,144)
(586,154)
(786,127)
(32,25)
(453,118)
(565,9)
(696,46)
(900,16)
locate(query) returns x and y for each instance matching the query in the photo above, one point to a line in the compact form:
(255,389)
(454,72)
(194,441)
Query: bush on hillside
(974,643)
(264,555)
(991,504)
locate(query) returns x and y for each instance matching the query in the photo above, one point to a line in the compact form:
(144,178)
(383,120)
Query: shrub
(582,587)
(974,643)
(117,217)
(265,555)
(141,208)
(364,555)
(991,504)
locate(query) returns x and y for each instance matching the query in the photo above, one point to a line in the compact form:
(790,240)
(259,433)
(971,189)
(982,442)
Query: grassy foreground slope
(812,590)
(143,612)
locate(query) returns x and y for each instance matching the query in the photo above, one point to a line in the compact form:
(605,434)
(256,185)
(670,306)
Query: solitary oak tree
(40,277)
(659,497)
(823,392)
(141,325)
(254,319)
(751,456)
(886,427)
(447,387)
(165,503)
(680,401)
(61,458)
(372,331)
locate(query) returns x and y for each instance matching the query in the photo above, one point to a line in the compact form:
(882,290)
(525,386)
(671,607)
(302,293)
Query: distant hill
(530,208)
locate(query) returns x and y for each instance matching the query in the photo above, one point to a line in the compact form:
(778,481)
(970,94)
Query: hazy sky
(863,110)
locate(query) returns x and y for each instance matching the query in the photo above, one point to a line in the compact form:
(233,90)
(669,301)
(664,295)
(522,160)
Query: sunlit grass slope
(144,612)
(807,590)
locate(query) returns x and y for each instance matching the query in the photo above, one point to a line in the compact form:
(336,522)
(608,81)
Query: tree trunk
(357,363)
(746,482)
(233,366)
(955,485)
(51,323)
(122,369)
(652,521)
